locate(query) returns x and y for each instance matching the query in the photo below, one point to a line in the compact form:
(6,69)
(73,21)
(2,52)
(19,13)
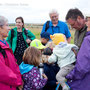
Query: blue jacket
(60,28)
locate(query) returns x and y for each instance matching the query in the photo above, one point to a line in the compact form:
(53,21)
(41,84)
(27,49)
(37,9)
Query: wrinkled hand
(44,76)
(74,51)
(57,83)
(20,87)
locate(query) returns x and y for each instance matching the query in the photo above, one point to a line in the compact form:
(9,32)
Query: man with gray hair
(56,26)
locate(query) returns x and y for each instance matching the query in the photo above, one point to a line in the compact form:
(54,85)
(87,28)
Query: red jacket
(10,76)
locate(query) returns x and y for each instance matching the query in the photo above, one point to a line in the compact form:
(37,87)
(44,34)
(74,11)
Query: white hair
(53,11)
(2,21)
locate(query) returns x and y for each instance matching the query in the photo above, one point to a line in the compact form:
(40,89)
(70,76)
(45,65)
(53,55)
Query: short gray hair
(53,11)
(2,21)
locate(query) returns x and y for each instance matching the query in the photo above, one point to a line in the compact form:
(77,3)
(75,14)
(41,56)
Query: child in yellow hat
(49,70)
(65,57)
(57,38)
(37,44)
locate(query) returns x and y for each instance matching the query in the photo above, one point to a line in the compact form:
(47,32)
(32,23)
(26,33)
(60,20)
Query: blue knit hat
(45,35)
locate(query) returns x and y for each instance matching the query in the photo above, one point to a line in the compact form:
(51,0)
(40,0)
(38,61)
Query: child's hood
(63,49)
(24,68)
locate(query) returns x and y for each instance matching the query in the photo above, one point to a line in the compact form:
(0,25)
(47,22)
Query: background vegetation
(36,30)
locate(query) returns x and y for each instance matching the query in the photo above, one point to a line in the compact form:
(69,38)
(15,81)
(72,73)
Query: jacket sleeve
(52,58)
(37,82)
(7,76)
(8,39)
(31,35)
(82,66)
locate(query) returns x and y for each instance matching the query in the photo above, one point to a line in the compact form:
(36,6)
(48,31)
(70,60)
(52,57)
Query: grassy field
(37,30)
(72,36)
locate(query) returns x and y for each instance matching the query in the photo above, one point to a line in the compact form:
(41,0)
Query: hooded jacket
(24,68)
(63,54)
(14,40)
(79,77)
(10,76)
(31,77)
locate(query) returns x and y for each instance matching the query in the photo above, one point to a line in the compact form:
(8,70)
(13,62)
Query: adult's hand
(44,76)
(28,41)
(20,87)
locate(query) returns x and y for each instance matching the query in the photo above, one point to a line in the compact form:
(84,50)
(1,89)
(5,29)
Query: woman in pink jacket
(10,77)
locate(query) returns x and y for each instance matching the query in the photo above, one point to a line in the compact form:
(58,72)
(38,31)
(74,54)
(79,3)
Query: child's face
(88,22)
(44,41)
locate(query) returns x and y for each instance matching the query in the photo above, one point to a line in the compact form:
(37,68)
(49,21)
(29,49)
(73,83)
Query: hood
(63,49)
(24,68)
(4,46)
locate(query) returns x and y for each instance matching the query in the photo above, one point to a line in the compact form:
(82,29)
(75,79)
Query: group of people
(64,63)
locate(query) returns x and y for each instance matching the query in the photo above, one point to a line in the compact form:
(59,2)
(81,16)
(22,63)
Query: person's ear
(51,36)
(22,24)
(79,18)
(0,27)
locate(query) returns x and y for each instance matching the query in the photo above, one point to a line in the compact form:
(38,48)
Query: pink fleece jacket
(10,76)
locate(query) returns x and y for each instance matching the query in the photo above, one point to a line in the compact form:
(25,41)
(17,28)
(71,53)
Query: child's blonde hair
(32,56)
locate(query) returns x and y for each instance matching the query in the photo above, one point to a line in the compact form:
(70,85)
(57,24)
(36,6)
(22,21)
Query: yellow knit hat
(57,38)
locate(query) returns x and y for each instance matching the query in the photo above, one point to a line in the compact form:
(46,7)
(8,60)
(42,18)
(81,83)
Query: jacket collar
(56,25)
(15,29)
(3,46)
(24,68)
(88,33)
(83,29)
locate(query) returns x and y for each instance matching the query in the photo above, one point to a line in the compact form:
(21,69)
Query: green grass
(37,30)
(72,36)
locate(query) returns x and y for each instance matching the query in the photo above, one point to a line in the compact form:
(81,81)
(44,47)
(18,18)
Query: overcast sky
(37,11)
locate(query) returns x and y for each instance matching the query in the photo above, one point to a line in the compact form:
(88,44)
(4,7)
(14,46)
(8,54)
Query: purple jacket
(79,77)
(32,80)
(10,76)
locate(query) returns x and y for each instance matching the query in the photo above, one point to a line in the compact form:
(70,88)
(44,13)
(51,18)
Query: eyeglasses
(74,23)
(87,19)
(54,16)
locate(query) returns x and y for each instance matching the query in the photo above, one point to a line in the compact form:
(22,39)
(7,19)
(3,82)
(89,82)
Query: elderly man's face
(54,18)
